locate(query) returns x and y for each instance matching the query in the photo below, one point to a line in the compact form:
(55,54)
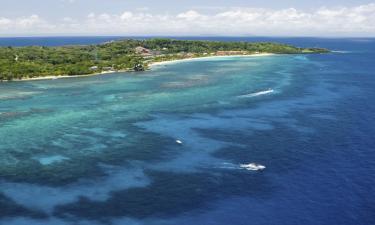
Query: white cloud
(5,22)
(191,15)
(28,21)
(126,16)
(27,24)
(341,21)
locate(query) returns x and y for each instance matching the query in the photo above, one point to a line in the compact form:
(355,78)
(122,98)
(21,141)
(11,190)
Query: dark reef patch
(8,208)
(170,194)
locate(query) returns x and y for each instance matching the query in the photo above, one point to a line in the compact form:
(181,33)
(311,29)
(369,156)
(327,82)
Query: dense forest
(36,61)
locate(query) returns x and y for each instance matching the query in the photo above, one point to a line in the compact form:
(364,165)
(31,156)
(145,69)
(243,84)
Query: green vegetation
(39,61)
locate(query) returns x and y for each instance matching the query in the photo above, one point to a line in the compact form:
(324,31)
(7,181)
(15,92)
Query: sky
(323,18)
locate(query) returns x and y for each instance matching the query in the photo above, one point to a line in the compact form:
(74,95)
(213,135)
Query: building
(143,51)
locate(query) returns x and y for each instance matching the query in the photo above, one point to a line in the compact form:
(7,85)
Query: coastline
(150,65)
(168,62)
(54,77)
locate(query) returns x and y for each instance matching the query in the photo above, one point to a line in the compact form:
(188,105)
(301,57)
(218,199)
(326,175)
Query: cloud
(5,22)
(340,21)
(25,24)
(28,21)
(191,15)
(126,16)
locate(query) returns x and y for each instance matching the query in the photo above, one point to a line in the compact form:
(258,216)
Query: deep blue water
(333,43)
(53,41)
(102,149)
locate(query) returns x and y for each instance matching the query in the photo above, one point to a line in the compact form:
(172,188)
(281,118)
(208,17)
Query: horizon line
(182,36)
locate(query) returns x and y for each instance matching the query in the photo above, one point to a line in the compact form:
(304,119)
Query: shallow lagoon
(102,149)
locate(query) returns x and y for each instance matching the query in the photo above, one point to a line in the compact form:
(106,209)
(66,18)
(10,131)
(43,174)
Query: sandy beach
(205,57)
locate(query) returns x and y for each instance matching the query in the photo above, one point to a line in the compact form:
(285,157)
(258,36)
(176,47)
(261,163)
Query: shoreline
(54,77)
(150,65)
(168,62)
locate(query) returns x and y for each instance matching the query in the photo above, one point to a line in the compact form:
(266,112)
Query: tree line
(36,61)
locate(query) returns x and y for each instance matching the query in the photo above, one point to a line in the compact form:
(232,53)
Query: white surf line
(256,94)
(342,51)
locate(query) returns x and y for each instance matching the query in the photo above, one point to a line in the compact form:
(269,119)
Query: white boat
(253,166)
(179,142)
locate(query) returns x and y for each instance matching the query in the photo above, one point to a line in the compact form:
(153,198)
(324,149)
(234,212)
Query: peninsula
(17,63)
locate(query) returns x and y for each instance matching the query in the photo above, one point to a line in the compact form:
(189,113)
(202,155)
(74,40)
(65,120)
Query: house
(94,68)
(143,51)
(225,53)
(108,68)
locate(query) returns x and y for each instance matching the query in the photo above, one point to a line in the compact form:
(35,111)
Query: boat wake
(269,91)
(250,166)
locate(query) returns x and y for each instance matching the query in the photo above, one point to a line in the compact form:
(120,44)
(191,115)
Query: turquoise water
(49,125)
(102,149)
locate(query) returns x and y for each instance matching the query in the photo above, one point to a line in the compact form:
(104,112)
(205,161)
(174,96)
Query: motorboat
(253,166)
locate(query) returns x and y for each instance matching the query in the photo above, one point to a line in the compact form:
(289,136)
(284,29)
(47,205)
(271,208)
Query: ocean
(167,146)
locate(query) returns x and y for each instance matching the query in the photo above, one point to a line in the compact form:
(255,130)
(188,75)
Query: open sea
(102,150)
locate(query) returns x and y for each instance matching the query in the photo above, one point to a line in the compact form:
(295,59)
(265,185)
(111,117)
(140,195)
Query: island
(18,63)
